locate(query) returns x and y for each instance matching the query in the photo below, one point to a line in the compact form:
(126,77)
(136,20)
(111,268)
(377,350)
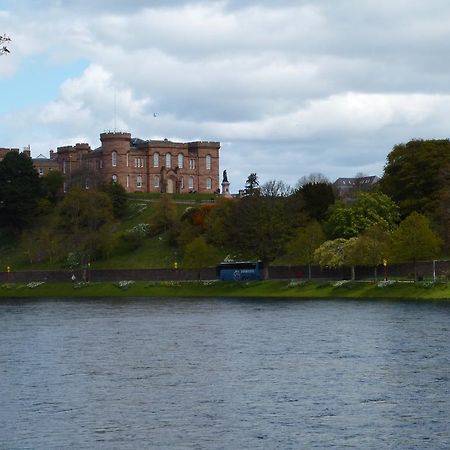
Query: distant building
(139,165)
(346,188)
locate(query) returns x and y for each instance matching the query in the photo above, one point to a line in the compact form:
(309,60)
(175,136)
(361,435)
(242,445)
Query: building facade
(141,166)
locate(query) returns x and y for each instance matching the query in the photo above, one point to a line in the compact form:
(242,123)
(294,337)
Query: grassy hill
(153,252)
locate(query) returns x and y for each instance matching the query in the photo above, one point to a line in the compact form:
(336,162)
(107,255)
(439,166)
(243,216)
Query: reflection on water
(233,374)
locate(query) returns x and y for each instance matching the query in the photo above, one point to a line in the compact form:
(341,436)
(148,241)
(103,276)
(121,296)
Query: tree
(331,253)
(337,253)
(164,215)
(86,221)
(199,254)
(275,188)
(307,239)
(251,185)
(414,240)
(20,191)
(371,248)
(3,44)
(259,228)
(317,197)
(118,195)
(370,208)
(218,222)
(53,183)
(412,175)
(312,178)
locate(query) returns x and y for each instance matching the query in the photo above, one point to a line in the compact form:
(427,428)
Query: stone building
(347,188)
(141,166)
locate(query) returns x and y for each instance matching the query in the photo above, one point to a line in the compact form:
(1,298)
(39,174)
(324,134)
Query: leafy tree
(415,240)
(412,175)
(331,253)
(218,222)
(260,228)
(20,191)
(53,183)
(118,196)
(369,209)
(317,197)
(199,254)
(86,222)
(164,216)
(252,184)
(371,247)
(305,242)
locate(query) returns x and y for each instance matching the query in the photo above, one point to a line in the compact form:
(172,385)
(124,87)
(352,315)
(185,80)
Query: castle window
(156,182)
(192,164)
(180,160)
(156,160)
(168,160)
(114,178)
(128,157)
(64,167)
(128,180)
(208,183)
(114,159)
(208,162)
(138,181)
(101,164)
(41,171)
(182,183)
(191,183)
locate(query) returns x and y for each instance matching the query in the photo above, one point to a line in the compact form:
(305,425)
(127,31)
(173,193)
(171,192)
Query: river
(224,374)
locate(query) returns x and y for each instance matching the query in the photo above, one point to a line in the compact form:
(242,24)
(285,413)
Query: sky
(289,88)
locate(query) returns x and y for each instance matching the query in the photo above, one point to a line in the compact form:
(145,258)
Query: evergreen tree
(20,191)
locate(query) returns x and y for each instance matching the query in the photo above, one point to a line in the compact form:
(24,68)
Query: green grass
(264,289)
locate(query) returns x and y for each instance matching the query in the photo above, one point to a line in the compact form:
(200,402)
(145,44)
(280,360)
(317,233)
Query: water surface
(224,374)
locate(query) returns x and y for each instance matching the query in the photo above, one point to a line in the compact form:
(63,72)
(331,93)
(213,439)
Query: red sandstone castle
(140,166)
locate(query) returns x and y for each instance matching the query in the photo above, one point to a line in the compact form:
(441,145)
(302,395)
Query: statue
(225,178)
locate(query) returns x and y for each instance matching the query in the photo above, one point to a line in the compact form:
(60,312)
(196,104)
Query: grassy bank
(265,289)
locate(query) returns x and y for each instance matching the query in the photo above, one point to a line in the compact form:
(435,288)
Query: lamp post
(385,269)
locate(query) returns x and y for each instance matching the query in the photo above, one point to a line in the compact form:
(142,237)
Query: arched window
(156,182)
(208,162)
(180,160)
(128,181)
(182,183)
(128,158)
(191,183)
(155,159)
(208,183)
(114,178)
(138,181)
(114,159)
(168,160)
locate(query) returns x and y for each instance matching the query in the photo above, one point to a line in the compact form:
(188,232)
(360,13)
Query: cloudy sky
(289,88)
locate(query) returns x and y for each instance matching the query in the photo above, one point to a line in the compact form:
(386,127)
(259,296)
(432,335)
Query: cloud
(289,88)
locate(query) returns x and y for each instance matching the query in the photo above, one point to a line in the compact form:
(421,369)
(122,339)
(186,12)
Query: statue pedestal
(226,189)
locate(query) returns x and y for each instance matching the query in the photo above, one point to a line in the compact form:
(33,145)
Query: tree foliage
(412,175)
(164,215)
(199,254)
(300,250)
(259,228)
(414,240)
(369,209)
(53,184)
(20,191)
(86,221)
(317,197)
(118,196)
